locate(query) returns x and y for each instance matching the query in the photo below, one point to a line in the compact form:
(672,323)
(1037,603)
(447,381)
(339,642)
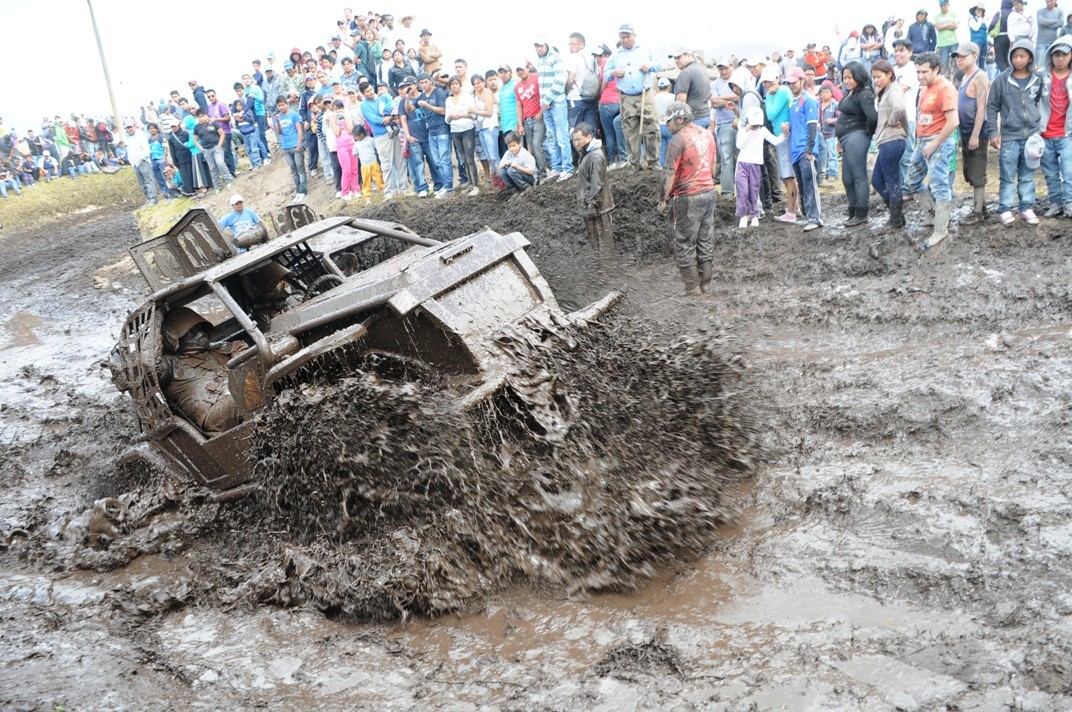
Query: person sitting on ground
(8,181)
(517,167)
(49,167)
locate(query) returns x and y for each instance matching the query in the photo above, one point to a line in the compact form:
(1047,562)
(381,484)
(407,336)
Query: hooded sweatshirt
(1045,104)
(1019,107)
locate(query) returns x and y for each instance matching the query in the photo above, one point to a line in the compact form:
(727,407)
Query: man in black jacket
(594,198)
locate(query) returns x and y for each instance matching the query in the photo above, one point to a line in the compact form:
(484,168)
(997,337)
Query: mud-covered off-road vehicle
(353,288)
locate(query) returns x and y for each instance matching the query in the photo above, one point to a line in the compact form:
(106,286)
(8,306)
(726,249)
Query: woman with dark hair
(871,45)
(181,157)
(978,29)
(890,136)
(855,127)
(461,115)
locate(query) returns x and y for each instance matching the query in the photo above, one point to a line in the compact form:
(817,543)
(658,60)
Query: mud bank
(905,546)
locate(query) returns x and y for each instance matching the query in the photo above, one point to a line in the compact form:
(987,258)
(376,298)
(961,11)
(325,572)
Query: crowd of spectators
(380,106)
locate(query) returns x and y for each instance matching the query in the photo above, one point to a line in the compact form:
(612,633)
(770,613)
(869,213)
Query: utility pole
(107,77)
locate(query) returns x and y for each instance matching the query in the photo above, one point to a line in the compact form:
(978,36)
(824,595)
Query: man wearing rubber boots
(689,189)
(594,199)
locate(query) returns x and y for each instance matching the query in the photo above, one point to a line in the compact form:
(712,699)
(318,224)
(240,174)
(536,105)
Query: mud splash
(608,456)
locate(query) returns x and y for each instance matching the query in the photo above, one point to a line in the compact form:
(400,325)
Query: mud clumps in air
(605,455)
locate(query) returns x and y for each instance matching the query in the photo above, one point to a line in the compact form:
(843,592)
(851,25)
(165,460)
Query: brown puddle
(21,327)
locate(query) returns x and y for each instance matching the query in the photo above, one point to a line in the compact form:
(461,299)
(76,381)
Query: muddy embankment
(905,545)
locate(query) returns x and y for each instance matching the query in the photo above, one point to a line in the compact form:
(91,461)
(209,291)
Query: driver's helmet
(178,323)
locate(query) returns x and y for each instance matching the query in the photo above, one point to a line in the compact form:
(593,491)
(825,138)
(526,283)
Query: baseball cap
(541,40)
(1034,147)
(965,49)
(351,89)
(236,198)
(755,60)
(679,110)
(506,66)
(423,75)
(407,82)
(723,62)
(1062,47)
(753,116)
(335,37)
(128,122)
(601,50)
(663,82)
(288,65)
(677,52)
(626,29)
(270,55)
(793,74)
(769,74)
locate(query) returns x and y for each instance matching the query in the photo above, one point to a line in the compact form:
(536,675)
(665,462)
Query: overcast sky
(153,47)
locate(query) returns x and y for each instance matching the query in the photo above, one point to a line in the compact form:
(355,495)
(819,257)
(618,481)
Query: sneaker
(312,173)
(219,190)
(422,194)
(298,197)
(338,193)
(551,175)
(267,161)
(388,196)
(614,166)
(1068,210)
(1007,218)
(1029,217)
(787,218)
(563,177)
(1054,210)
(812,226)
(755,222)
(474,192)
(347,197)
(744,223)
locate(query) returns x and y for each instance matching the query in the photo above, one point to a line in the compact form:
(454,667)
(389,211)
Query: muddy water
(906,546)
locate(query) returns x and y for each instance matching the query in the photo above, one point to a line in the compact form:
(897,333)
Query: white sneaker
(388,196)
(563,177)
(267,161)
(298,197)
(614,166)
(473,192)
(744,223)
(338,193)
(347,197)
(551,175)
(755,222)
(422,194)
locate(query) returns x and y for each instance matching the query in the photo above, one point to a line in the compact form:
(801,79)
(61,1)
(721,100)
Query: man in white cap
(726,103)
(239,219)
(140,159)
(635,69)
(551,75)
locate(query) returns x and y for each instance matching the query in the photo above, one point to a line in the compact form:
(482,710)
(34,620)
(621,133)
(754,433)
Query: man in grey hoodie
(1015,97)
(1056,126)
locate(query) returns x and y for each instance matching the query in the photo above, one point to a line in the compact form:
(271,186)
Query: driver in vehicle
(194,373)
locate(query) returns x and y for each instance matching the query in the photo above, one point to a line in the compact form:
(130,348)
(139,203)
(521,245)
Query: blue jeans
(515,179)
(664,139)
(12,184)
(535,133)
(854,146)
(489,139)
(254,152)
(944,52)
(809,189)
(1057,167)
(906,159)
(887,175)
(829,165)
(610,116)
(937,167)
(262,132)
(229,157)
(158,176)
(726,136)
(415,163)
(1013,170)
(557,141)
(439,147)
(296,160)
(583,112)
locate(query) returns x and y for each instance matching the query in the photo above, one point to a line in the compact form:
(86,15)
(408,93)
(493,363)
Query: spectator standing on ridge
(634,68)
(803,126)
(689,191)
(692,86)
(1014,104)
(199,94)
(551,75)
(855,127)
(922,35)
(288,127)
(582,83)
(209,138)
(221,117)
(936,121)
(726,103)
(530,114)
(1049,23)
(946,27)
(975,128)
(433,102)
(430,54)
(140,160)
(890,137)
(1056,122)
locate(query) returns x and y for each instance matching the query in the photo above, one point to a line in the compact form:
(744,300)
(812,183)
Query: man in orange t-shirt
(818,59)
(935,124)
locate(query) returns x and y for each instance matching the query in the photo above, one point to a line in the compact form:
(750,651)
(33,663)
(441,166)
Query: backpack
(590,86)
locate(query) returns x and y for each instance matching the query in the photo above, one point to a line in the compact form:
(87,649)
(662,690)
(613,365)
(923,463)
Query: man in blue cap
(635,69)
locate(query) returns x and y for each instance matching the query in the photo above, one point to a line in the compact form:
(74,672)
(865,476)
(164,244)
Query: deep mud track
(906,544)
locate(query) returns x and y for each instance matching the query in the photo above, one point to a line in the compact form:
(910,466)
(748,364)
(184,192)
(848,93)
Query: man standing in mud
(690,191)
(594,199)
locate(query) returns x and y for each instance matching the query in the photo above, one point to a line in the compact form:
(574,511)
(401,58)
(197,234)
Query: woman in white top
(487,124)
(461,115)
